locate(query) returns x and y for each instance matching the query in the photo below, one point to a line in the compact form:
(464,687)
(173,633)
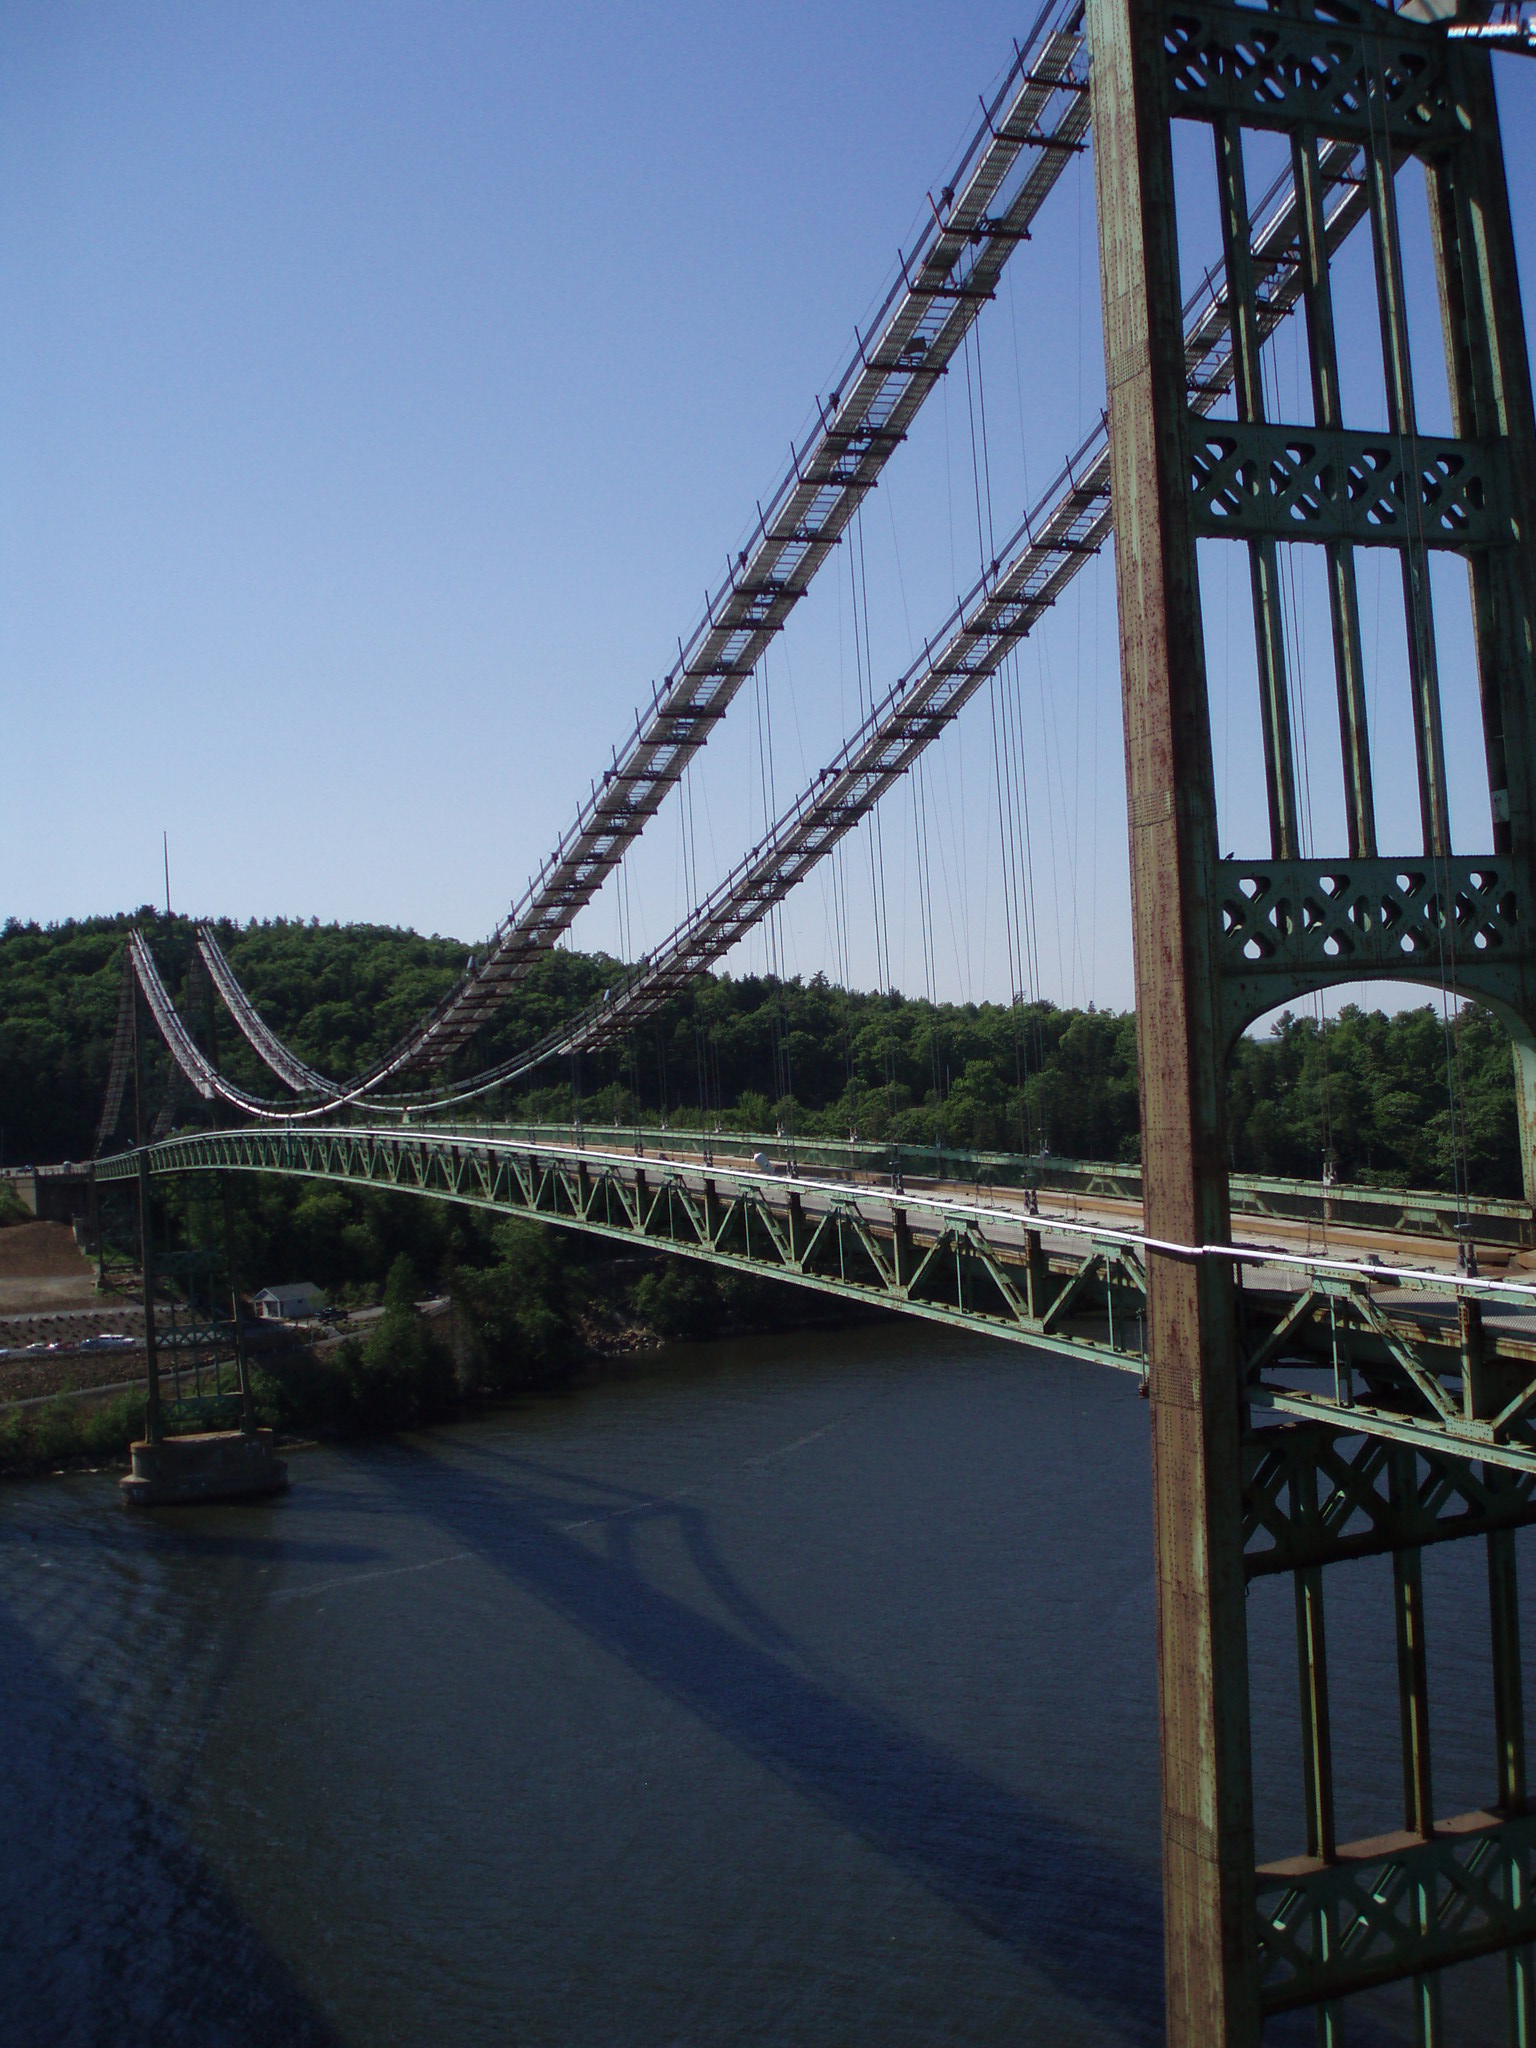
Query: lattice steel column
(1220,942)
(1208,1862)
(1489,373)
(1403,425)
(1392,95)
(1404,1904)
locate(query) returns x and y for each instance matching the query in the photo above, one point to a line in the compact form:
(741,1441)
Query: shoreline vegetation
(1401,1100)
(540,1319)
(1396,1100)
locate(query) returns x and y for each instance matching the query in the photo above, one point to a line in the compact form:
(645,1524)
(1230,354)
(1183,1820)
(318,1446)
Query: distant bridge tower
(1219,942)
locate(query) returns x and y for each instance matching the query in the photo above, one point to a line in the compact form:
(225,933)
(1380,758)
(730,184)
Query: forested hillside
(751,1053)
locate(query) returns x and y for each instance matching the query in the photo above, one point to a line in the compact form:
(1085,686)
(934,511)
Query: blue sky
(380,387)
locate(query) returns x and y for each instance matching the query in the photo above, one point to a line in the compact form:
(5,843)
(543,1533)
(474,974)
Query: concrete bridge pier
(219,1465)
(209,1465)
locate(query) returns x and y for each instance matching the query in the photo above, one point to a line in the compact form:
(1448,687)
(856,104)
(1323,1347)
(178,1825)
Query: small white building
(288,1303)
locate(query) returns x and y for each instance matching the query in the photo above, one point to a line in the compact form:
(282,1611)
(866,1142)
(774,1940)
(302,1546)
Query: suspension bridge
(1306,1407)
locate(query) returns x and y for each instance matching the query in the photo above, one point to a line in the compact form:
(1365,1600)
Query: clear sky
(381,386)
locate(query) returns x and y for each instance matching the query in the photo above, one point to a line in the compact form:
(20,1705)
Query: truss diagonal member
(1077,1285)
(254,1029)
(1515,1410)
(1306,1305)
(1402,1353)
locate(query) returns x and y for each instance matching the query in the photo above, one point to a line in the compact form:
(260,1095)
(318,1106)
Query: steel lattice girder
(1395,1906)
(1404,1357)
(1395,1212)
(1432,1364)
(1289,927)
(1254,479)
(1314,1495)
(1361,70)
(195,1337)
(946,1265)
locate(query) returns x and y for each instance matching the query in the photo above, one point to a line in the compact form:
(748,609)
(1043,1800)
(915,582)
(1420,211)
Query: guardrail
(1403,1212)
(1428,1356)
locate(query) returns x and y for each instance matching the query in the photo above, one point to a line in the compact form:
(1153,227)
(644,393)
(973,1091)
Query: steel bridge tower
(1219,942)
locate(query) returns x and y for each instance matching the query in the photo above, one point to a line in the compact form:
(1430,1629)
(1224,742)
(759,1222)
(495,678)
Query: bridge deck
(1367,1330)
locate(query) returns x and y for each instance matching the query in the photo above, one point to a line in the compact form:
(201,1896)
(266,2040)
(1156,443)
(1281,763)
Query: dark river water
(797,1690)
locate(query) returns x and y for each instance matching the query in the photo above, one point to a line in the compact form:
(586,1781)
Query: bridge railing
(1410,1212)
(1429,1355)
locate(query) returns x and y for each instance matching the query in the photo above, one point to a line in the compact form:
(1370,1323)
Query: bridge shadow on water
(112,1925)
(1073,1909)
(115,1926)
(1085,1918)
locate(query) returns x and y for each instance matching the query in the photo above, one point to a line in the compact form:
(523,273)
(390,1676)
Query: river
(792,1690)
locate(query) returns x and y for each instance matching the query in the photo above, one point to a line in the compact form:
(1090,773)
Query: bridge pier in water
(206,1465)
(1220,942)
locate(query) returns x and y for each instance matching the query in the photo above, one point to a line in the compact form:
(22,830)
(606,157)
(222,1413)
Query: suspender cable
(1066,528)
